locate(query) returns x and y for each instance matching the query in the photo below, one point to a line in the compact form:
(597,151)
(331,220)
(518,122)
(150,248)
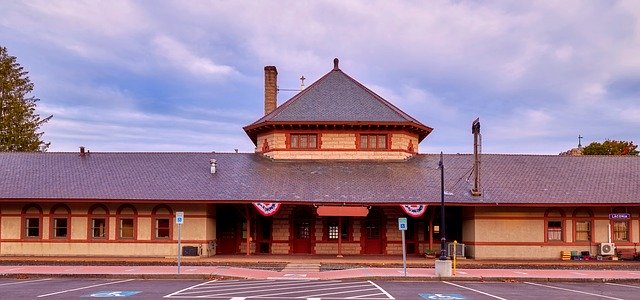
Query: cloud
(181,57)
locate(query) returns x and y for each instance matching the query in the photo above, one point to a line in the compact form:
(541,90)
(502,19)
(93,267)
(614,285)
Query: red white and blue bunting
(414,210)
(267,209)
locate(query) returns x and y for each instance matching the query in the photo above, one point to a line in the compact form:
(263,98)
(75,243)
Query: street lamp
(443,240)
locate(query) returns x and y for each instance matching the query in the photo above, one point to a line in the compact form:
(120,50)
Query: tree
(611,147)
(19,122)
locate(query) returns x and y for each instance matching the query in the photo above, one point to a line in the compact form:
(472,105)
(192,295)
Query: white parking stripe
(191,287)
(474,290)
(570,290)
(344,292)
(624,285)
(28,281)
(296,289)
(253,288)
(83,288)
(381,289)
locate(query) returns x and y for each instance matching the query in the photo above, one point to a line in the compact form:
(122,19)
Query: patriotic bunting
(267,209)
(414,210)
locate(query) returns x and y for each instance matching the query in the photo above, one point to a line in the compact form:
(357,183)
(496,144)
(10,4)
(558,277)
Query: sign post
(179,221)
(402,226)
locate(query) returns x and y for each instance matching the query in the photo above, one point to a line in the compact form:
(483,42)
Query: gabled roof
(250,177)
(336,98)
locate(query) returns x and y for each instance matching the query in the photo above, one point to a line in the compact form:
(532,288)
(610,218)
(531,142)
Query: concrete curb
(24,276)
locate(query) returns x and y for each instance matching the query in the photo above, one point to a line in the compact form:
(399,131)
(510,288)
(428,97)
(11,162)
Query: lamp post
(443,240)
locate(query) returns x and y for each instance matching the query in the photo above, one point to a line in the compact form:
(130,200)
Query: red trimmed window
(332,230)
(127,220)
(373,141)
(162,216)
(555,221)
(620,228)
(32,227)
(620,231)
(303,141)
(60,221)
(98,222)
(583,225)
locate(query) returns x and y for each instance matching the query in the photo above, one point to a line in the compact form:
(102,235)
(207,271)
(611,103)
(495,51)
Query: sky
(132,76)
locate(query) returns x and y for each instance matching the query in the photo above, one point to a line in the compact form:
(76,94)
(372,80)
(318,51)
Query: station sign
(620,216)
(179,217)
(402,223)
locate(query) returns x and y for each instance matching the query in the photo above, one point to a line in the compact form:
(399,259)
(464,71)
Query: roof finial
(335,64)
(580,137)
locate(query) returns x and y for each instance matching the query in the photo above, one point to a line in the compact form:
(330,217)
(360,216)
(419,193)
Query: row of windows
(310,141)
(582,226)
(98,221)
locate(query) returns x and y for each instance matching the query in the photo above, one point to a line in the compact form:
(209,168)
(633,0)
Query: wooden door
(373,233)
(228,224)
(301,230)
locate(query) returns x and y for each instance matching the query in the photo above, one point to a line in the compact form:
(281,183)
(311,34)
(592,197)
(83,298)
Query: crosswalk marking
(302,289)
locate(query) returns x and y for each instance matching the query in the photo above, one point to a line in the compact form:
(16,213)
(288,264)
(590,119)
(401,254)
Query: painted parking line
(573,291)
(84,288)
(474,290)
(252,289)
(623,285)
(21,282)
(188,288)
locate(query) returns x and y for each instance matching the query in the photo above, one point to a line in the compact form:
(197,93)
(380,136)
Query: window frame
(26,215)
(120,217)
(333,222)
(54,216)
(368,136)
(156,216)
(95,216)
(554,215)
(297,137)
(589,219)
(625,221)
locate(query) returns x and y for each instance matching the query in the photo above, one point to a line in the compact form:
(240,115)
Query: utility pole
(443,239)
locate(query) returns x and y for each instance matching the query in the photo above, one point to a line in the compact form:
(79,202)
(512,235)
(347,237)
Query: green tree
(611,147)
(19,122)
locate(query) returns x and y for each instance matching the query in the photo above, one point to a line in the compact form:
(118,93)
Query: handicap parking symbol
(110,294)
(443,296)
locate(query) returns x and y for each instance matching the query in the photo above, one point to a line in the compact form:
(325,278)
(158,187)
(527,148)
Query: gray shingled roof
(336,97)
(507,179)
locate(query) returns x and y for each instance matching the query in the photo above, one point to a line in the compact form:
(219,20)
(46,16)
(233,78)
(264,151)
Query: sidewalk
(355,267)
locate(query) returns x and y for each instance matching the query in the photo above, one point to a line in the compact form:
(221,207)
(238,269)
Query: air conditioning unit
(607,249)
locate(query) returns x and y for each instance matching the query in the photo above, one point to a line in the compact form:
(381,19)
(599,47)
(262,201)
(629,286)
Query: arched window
(127,222)
(32,221)
(60,222)
(620,225)
(162,227)
(554,221)
(582,225)
(98,222)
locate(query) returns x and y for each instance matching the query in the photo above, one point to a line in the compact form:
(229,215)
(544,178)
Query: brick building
(334,168)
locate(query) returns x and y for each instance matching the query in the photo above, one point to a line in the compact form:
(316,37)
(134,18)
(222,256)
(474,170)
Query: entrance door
(373,232)
(264,234)
(227,230)
(302,228)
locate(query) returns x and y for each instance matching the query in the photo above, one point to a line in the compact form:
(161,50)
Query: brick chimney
(270,89)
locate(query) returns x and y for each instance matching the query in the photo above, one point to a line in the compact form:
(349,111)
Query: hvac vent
(607,249)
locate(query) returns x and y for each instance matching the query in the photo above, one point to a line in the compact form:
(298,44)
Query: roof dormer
(336,117)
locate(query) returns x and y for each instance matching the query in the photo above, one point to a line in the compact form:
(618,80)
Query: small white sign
(179,217)
(402,223)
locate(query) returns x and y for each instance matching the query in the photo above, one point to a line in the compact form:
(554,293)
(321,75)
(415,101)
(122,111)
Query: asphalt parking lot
(67,288)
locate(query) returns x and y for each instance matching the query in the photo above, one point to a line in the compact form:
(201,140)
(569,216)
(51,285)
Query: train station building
(334,168)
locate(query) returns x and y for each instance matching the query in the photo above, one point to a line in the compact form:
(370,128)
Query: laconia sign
(620,216)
